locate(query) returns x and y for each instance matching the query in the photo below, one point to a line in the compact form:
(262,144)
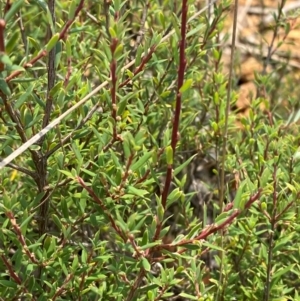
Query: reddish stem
(11,271)
(214,227)
(140,68)
(21,238)
(175,130)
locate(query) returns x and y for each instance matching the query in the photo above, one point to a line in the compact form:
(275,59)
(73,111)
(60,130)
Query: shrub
(108,112)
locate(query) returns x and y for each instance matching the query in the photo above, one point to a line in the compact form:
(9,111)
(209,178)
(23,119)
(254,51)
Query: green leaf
(164,232)
(162,19)
(4,87)
(135,191)
(169,154)
(97,277)
(165,94)
(24,96)
(194,231)
(121,107)
(88,172)
(12,42)
(8,284)
(42,4)
(211,246)
(77,153)
(182,166)
(282,242)
(34,146)
(149,245)
(145,238)
(147,288)
(16,6)
(50,21)
(72,9)
(138,56)
(189,297)
(160,213)
(119,51)
(150,295)
(195,30)
(38,100)
(112,32)
(140,223)
(238,196)
(75,263)
(192,247)
(186,85)
(265,177)
(5,59)
(67,173)
(56,89)
(174,21)
(115,159)
(24,224)
(141,161)
(173,196)
(84,255)
(222,217)
(146,264)
(57,221)
(282,271)
(64,208)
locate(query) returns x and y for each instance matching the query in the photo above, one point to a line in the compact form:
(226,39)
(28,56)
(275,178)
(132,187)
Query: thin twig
(176,121)
(275,33)
(21,237)
(136,285)
(22,169)
(42,164)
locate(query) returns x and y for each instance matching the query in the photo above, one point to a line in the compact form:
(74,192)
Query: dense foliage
(131,98)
